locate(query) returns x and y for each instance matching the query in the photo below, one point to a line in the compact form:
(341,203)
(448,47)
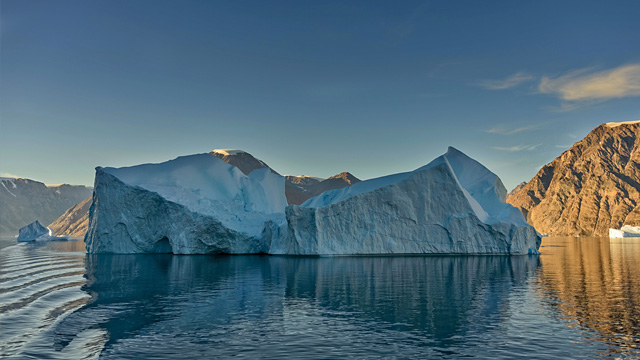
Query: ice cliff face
(200,204)
(32,231)
(190,205)
(452,205)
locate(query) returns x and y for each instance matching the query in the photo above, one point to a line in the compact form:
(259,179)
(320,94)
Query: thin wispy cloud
(504,131)
(512,81)
(587,85)
(517,148)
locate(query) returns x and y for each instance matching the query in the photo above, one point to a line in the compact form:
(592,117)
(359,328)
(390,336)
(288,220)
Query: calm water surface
(579,299)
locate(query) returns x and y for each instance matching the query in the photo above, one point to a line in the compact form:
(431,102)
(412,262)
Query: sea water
(579,298)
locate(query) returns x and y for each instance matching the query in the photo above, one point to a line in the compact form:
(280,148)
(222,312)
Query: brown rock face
(517,188)
(242,160)
(588,189)
(74,222)
(305,190)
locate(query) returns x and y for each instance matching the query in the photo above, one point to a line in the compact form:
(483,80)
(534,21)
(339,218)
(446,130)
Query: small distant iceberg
(36,232)
(625,232)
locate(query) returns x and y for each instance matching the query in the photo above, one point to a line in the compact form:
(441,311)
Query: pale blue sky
(370,87)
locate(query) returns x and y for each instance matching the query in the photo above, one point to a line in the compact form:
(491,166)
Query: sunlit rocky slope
(74,221)
(593,186)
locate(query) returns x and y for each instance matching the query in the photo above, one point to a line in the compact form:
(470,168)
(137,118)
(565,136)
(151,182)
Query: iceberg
(36,232)
(200,204)
(625,232)
(453,205)
(195,204)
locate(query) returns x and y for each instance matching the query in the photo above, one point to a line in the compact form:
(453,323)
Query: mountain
(517,188)
(303,180)
(298,189)
(339,181)
(240,159)
(302,188)
(23,201)
(74,221)
(593,186)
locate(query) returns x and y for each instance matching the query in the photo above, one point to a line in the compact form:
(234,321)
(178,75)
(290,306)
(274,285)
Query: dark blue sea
(579,299)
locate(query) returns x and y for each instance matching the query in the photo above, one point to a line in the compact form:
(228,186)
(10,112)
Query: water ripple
(579,299)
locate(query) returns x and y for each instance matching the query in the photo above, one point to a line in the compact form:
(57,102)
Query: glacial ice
(36,232)
(451,205)
(200,204)
(190,205)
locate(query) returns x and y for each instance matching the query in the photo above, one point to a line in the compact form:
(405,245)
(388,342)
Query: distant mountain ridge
(23,201)
(298,189)
(593,186)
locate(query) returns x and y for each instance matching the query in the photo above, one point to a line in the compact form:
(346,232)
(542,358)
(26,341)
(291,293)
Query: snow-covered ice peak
(616,124)
(191,204)
(483,189)
(228,151)
(201,180)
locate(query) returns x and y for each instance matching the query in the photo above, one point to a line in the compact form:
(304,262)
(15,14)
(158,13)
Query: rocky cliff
(297,188)
(593,186)
(74,221)
(517,188)
(301,188)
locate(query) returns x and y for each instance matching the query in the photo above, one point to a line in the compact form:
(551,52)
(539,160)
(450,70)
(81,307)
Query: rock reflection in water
(594,283)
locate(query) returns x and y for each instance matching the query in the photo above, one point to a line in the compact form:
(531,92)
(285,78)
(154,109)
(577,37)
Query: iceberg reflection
(267,305)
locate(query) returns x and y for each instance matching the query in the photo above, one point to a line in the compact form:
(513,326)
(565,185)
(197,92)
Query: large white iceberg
(190,205)
(453,205)
(200,204)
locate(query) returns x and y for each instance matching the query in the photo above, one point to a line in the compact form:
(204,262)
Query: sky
(310,87)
